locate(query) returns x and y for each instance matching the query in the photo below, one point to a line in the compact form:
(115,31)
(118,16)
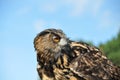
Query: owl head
(49,43)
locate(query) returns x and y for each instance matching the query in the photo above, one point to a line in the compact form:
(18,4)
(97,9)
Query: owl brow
(56,34)
(43,33)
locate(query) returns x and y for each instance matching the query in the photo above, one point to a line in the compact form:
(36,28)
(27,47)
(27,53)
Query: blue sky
(20,20)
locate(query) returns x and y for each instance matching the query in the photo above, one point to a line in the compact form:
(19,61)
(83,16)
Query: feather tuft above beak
(63,42)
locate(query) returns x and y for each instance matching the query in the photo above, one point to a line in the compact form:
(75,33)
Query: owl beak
(63,42)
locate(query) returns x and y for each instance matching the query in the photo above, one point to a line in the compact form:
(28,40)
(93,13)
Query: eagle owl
(62,59)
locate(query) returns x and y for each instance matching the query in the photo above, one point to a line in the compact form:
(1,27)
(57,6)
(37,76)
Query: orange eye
(56,39)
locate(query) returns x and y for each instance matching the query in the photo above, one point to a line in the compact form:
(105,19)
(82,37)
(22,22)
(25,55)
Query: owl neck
(44,59)
(50,58)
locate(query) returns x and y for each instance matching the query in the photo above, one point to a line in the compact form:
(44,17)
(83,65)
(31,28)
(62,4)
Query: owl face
(49,43)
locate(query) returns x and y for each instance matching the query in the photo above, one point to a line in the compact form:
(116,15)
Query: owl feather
(62,59)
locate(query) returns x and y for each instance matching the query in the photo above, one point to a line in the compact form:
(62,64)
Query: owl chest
(61,69)
(64,74)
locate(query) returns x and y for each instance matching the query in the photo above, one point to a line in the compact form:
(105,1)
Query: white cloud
(24,10)
(105,20)
(39,25)
(49,7)
(74,7)
(54,24)
(96,5)
(78,6)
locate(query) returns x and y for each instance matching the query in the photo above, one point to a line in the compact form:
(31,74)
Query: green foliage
(115,57)
(112,49)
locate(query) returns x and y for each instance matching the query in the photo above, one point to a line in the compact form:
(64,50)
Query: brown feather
(74,61)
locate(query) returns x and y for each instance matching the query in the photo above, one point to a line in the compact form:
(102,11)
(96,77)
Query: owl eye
(56,39)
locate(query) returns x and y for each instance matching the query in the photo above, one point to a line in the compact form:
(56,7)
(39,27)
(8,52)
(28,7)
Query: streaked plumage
(62,59)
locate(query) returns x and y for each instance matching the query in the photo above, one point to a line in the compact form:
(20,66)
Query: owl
(60,58)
